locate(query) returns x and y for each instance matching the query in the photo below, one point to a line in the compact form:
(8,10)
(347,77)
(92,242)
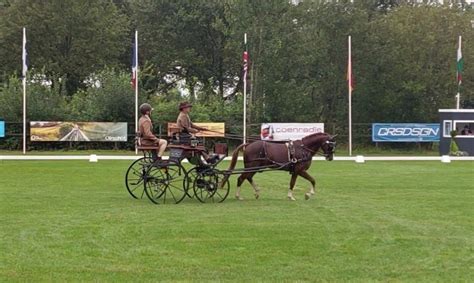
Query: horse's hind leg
(308,177)
(292,185)
(254,185)
(240,180)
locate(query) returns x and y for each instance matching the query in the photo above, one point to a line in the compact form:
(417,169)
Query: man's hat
(184,104)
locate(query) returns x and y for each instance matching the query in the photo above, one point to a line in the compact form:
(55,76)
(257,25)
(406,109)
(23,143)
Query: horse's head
(329,147)
(323,141)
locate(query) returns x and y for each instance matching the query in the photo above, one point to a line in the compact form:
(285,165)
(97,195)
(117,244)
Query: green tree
(185,40)
(410,72)
(68,38)
(43,101)
(108,98)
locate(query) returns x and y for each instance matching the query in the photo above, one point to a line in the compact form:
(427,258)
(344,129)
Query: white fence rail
(133,157)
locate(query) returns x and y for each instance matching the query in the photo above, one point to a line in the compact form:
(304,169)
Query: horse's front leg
(312,191)
(292,185)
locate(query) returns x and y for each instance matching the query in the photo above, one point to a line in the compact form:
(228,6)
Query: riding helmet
(145,107)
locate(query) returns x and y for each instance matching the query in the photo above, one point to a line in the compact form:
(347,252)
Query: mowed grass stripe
(74,220)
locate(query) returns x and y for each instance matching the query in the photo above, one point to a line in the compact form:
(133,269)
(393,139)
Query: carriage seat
(145,148)
(139,146)
(184,139)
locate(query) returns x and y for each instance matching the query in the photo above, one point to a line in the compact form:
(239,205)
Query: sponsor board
(2,129)
(289,131)
(42,131)
(405,132)
(213,129)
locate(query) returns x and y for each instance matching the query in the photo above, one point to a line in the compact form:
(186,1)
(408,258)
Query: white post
(24,68)
(245,96)
(349,76)
(458,96)
(24,115)
(136,87)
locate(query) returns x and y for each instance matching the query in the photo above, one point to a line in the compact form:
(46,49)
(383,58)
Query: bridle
(325,154)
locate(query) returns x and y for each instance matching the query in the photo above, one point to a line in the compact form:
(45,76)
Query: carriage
(169,181)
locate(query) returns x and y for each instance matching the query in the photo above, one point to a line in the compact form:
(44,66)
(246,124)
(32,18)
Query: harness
(291,152)
(292,156)
(305,154)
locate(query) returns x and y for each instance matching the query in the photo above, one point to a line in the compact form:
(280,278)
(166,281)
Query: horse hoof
(307,196)
(312,192)
(239,198)
(291,198)
(257,196)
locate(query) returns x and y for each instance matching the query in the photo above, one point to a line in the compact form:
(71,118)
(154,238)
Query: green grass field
(378,221)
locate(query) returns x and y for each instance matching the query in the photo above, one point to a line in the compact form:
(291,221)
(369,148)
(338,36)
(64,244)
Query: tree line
(404,59)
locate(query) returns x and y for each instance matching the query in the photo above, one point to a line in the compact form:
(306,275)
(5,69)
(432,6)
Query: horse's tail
(233,162)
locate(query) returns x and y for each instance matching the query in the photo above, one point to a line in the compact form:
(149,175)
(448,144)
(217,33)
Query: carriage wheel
(134,176)
(206,183)
(222,190)
(191,175)
(164,182)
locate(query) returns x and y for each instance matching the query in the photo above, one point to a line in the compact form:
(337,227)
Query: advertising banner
(289,131)
(41,131)
(2,129)
(405,132)
(214,129)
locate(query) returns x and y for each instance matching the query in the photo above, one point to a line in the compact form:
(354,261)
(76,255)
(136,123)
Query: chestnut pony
(295,158)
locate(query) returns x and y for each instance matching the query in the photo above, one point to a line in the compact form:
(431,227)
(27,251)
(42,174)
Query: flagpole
(457,100)
(24,89)
(245,96)
(136,87)
(24,115)
(458,95)
(349,76)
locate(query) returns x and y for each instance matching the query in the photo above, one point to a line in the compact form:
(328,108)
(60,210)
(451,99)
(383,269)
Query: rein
(316,152)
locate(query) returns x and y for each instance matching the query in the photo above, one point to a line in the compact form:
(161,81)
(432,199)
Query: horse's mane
(314,135)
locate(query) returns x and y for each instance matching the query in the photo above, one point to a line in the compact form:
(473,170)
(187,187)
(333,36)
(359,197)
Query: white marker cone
(93,158)
(445,159)
(360,159)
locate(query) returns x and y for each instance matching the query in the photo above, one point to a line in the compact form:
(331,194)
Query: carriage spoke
(218,194)
(172,194)
(202,195)
(164,196)
(135,187)
(177,188)
(222,190)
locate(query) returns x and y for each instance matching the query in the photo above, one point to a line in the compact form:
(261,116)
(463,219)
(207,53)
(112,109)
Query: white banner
(289,131)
